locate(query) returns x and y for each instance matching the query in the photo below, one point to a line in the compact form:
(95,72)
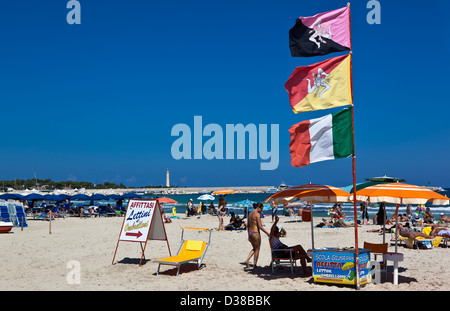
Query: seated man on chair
(298,251)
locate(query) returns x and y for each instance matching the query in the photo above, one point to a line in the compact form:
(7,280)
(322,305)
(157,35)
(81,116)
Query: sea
(319,209)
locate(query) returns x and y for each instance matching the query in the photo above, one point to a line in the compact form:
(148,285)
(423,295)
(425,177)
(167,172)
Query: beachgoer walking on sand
(274,209)
(365,214)
(221,213)
(254,237)
(189,207)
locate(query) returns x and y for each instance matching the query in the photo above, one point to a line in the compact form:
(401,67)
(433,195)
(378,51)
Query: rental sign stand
(142,222)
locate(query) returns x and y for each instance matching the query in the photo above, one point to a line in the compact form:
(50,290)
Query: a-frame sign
(142,222)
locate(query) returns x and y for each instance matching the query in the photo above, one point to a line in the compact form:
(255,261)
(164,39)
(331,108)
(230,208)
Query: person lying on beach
(407,232)
(440,231)
(386,230)
(334,223)
(298,251)
(254,237)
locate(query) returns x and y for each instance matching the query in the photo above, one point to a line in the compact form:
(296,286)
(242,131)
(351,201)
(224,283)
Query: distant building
(167,178)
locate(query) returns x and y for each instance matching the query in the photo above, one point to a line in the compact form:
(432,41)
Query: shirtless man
(254,236)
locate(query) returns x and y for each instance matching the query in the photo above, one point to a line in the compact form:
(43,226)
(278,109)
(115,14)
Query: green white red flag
(326,138)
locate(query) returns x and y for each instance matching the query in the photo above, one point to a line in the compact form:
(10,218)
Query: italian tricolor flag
(326,138)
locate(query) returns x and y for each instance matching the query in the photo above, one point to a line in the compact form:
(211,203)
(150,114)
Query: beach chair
(438,239)
(376,266)
(21,216)
(4,213)
(189,251)
(282,258)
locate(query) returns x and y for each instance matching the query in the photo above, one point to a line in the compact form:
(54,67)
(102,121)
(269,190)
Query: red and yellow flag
(321,86)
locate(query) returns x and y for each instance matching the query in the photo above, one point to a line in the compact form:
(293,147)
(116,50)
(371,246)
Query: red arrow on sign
(137,235)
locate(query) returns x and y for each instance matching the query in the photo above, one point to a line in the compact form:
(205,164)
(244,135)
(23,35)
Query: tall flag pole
(355,209)
(324,85)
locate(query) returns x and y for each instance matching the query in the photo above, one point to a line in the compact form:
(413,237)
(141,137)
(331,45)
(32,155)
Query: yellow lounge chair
(438,239)
(190,250)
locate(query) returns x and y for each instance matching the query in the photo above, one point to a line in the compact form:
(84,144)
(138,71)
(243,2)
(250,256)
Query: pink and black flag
(321,34)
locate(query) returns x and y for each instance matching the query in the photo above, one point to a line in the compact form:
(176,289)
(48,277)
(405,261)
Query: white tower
(167,178)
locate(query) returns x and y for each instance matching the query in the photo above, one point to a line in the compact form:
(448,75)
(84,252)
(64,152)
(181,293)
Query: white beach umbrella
(206,197)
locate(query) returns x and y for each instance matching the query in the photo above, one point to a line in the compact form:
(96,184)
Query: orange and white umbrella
(224,191)
(166,200)
(310,193)
(400,193)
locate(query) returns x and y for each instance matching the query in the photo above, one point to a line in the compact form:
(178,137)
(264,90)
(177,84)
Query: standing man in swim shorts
(254,236)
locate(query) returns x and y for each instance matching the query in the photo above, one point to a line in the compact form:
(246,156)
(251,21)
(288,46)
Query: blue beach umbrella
(11,196)
(114,196)
(53,197)
(130,195)
(80,196)
(243,203)
(64,196)
(34,196)
(98,196)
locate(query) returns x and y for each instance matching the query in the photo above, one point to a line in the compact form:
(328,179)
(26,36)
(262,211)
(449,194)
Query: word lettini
(213,148)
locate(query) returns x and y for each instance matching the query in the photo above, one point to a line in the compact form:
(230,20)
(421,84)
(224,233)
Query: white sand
(33,259)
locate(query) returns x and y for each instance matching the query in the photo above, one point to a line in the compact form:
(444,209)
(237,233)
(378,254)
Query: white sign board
(142,222)
(142,215)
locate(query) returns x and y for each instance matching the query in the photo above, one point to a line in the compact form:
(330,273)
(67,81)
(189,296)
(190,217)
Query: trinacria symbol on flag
(319,32)
(318,82)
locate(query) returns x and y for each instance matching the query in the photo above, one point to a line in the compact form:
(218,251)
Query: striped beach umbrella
(311,193)
(243,203)
(224,191)
(400,193)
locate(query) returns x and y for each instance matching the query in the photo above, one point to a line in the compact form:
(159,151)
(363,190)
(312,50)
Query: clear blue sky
(97,101)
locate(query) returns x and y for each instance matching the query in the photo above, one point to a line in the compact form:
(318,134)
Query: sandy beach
(33,259)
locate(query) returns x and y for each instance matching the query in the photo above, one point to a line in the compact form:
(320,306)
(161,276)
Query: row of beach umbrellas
(63,197)
(394,193)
